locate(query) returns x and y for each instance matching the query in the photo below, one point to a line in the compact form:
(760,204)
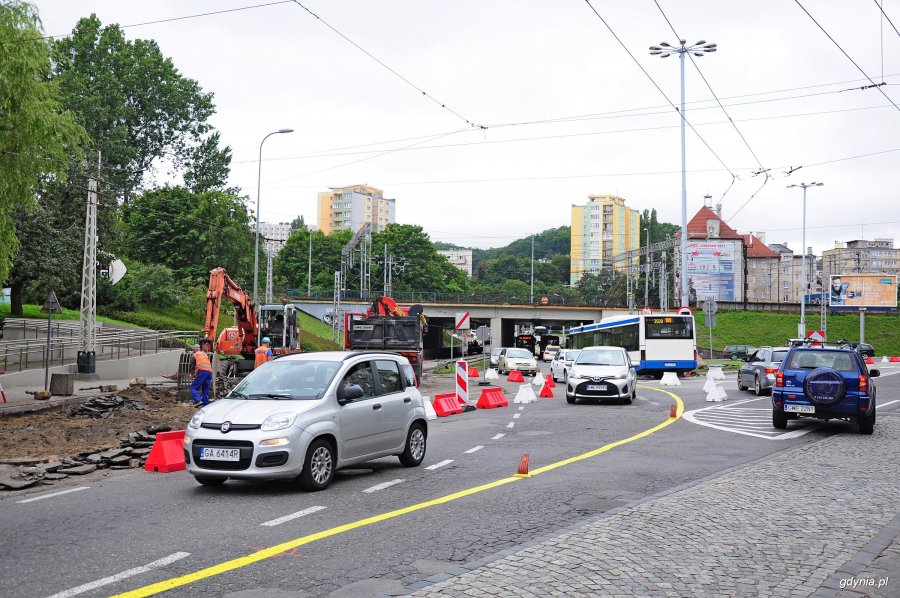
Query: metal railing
(112,343)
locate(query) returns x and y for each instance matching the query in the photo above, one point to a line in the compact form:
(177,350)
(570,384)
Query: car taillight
(771,370)
(863,383)
(779,379)
(643,355)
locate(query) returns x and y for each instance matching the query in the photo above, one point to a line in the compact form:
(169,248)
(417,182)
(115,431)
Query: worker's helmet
(266,339)
(196,347)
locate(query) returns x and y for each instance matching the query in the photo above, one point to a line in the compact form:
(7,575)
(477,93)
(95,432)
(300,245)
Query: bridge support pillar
(496,332)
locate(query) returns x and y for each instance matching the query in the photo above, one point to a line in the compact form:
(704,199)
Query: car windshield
(811,359)
(518,354)
(496,352)
(571,355)
(601,357)
(287,379)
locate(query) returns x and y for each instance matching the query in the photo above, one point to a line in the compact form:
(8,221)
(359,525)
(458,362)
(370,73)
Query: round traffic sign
(684,310)
(646,311)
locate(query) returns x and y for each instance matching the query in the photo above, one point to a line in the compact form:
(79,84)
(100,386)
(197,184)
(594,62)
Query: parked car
(303,416)
(562,361)
(549,352)
(517,359)
(738,351)
(602,373)
(495,356)
(759,371)
(824,383)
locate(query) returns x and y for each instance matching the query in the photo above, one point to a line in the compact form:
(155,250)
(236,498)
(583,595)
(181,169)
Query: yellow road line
(266,553)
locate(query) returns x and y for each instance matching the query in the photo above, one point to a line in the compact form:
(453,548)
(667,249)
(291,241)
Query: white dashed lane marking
(120,576)
(439,464)
(517,415)
(510,424)
(293,516)
(378,487)
(474,449)
(498,437)
(52,494)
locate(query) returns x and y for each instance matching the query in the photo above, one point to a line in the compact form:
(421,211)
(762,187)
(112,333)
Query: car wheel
(633,392)
(627,400)
(733,356)
(779,419)
(566,376)
(740,386)
(415,447)
(318,468)
(570,399)
(209,480)
(757,387)
(553,375)
(867,424)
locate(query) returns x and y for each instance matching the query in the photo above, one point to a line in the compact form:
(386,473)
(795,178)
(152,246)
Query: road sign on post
(461,321)
(709,319)
(51,306)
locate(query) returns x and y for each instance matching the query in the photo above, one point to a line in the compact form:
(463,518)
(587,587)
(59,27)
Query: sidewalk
(820,519)
(19,401)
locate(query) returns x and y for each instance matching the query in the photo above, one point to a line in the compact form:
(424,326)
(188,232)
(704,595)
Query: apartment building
(762,269)
(788,276)
(274,235)
(601,229)
(461,258)
(350,208)
(862,256)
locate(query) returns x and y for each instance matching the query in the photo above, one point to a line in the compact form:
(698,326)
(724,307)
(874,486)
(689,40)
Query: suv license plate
(220,454)
(800,408)
(596,386)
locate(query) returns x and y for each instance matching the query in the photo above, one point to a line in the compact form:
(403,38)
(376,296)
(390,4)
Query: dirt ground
(54,434)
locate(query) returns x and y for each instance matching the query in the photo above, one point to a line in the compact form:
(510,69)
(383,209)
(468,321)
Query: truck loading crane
(276,321)
(388,327)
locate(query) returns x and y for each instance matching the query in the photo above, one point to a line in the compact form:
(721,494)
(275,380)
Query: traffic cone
(670,379)
(884,359)
(546,391)
(869,360)
(522,471)
(473,372)
(550,381)
(515,376)
(538,380)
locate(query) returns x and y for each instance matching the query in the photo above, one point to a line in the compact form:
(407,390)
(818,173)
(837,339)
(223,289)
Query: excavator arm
(222,287)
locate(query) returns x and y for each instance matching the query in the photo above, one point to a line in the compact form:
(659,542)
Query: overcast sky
(495,63)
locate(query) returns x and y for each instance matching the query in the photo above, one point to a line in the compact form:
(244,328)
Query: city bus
(656,343)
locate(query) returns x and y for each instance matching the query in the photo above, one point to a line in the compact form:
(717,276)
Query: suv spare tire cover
(825,386)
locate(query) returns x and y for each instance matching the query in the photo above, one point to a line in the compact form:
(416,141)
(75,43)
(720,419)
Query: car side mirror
(874,373)
(349,393)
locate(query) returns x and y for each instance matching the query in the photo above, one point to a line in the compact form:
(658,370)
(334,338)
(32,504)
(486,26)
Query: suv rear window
(811,359)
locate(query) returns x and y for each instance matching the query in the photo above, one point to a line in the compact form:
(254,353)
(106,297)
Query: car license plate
(669,364)
(800,408)
(220,454)
(596,386)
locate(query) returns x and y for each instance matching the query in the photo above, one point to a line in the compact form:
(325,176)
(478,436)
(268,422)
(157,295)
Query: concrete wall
(163,363)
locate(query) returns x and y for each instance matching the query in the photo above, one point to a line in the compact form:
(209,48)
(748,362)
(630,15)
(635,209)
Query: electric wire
(859,68)
(394,72)
(885,16)
(658,88)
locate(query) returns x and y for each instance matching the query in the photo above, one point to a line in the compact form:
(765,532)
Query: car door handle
(376,406)
(407,400)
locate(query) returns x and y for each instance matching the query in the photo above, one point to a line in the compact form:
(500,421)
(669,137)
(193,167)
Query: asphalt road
(121,532)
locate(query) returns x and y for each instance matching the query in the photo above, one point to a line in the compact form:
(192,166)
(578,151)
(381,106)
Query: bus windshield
(669,327)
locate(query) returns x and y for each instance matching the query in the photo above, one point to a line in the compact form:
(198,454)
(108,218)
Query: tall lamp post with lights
(801,327)
(647,270)
(258,188)
(664,50)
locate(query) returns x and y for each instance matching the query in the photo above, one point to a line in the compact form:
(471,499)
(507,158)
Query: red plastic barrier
(473,372)
(491,398)
(546,392)
(869,360)
(515,376)
(894,359)
(167,454)
(446,404)
(550,381)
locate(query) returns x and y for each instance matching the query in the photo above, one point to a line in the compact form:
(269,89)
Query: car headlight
(196,420)
(279,421)
(620,375)
(573,375)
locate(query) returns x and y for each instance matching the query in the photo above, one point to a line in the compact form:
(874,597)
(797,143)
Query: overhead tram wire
(884,14)
(392,71)
(658,88)
(859,68)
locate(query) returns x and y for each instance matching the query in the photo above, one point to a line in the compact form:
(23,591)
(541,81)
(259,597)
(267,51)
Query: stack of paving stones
(224,386)
(103,407)
(132,453)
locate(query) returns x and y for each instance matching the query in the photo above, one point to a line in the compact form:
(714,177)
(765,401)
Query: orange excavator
(278,322)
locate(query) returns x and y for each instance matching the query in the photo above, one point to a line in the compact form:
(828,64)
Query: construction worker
(202,377)
(263,353)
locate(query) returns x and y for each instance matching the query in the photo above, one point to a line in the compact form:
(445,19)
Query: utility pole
(386,269)
(309,266)
(647,271)
(801,326)
(88,331)
(663,286)
(269,274)
(531,298)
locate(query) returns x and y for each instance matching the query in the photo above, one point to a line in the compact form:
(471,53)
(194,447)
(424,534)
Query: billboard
(872,291)
(713,269)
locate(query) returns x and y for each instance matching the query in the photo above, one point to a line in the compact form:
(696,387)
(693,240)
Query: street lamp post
(647,271)
(258,188)
(664,50)
(801,327)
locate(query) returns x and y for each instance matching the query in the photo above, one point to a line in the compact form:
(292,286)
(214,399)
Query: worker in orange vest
(263,353)
(202,377)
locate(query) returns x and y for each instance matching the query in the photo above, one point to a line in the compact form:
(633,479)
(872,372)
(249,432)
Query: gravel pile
(104,406)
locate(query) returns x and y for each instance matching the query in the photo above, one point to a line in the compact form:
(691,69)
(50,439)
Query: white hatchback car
(304,416)
(602,373)
(562,362)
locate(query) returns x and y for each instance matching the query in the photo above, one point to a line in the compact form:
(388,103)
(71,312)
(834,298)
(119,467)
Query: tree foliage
(422,267)
(38,137)
(292,261)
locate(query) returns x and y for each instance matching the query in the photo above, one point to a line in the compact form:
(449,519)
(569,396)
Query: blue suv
(824,383)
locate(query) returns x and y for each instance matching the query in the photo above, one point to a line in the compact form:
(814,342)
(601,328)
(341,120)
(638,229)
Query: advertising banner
(872,291)
(713,269)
